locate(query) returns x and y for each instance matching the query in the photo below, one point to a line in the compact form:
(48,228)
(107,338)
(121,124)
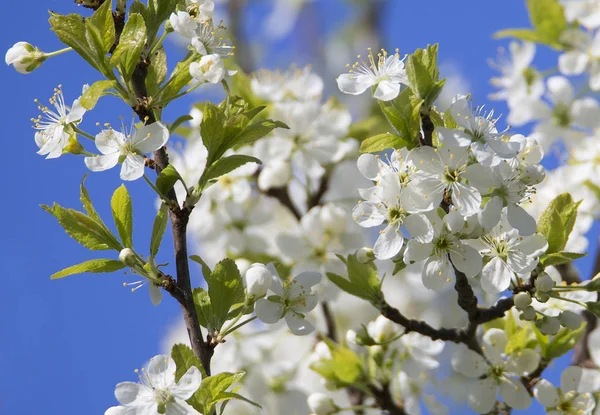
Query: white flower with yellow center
(387,74)
(568,399)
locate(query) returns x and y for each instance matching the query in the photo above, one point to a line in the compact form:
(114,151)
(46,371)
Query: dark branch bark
(386,401)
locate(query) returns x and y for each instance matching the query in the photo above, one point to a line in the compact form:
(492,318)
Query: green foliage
(87,231)
(382,142)
(226,165)
(593,307)
(157,71)
(556,224)
(562,257)
(423,74)
(157,12)
(158,229)
(167,179)
(206,271)
(214,390)
(91,38)
(184,359)
(178,122)
(343,369)
(403,114)
(93,266)
(131,44)
(225,289)
(363,280)
(203,308)
(179,78)
(90,97)
(560,344)
(548,20)
(123,214)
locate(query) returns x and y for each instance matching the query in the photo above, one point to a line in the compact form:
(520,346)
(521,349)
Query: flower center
(395,213)
(530,75)
(561,115)
(501,249)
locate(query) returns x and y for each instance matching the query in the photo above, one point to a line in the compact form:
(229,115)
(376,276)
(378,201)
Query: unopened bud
(522,300)
(193,196)
(365,255)
(548,325)
(24,57)
(542,297)
(127,257)
(528,313)
(258,280)
(382,329)
(570,319)
(321,404)
(74,146)
(544,283)
(351,337)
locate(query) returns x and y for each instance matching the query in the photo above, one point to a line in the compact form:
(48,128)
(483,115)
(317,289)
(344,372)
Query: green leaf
(206,271)
(344,368)
(518,340)
(423,74)
(179,78)
(91,96)
(123,214)
(363,280)
(184,359)
(558,258)
(241,85)
(403,115)
(564,341)
(158,229)
(100,29)
(226,165)
(157,71)
(94,266)
(84,229)
(225,289)
(557,221)
(418,76)
(131,43)
(548,20)
(381,142)
(179,121)
(87,202)
(227,396)
(167,179)
(158,12)
(213,120)
(203,308)
(71,31)
(593,307)
(255,131)
(212,387)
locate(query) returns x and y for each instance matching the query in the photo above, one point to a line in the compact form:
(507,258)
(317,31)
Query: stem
(163,197)
(57,52)
(234,328)
(83,133)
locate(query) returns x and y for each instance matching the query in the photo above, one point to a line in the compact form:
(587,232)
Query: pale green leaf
(123,214)
(92,266)
(91,96)
(158,229)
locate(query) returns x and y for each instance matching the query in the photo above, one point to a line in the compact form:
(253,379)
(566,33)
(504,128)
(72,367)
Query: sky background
(67,343)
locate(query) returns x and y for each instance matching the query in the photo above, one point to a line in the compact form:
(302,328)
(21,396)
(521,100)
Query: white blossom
(24,57)
(566,400)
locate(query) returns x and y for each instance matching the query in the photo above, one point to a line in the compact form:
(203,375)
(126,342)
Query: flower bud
(210,69)
(522,300)
(544,283)
(321,404)
(193,196)
(258,280)
(365,255)
(548,325)
(334,218)
(528,313)
(275,174)
(182,23)
(24,57)
(570,319)
(542,297)
(382,329)
(127,257)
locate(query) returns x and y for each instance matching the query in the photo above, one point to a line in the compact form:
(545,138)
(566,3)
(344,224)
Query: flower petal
(521,220)
(468,363)
(161,372)
(354,84)
(267,311)
(133,167)
(546,394)
(126,392)
(151,137)
(101,163)
(468,261)
(495,276)
(514,393)
(389,242)
(188,384)
(482,397)
(155,294)
(437,272)
(387,91)
(109,141)
(298,325)
(419,227)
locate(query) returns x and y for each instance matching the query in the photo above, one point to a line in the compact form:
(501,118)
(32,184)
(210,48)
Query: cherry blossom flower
(55,130)
(117,147)
(583,54)
(568,399)
(387,74)
(157,392)
(24,57)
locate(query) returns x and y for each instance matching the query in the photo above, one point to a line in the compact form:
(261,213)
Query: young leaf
(563,342)
(558,258)
(83,229)
(158,229)
(178,122)
(203,308)
(225,289)
(100,29)
(167,179)
(93,266)
(226,165)
(206,271)
(184,359)
(91,96)
(255,131)
(71,30)
(381,142)
(344,368)
(84,196)
(557,221)
(212,387)
(403,115)
(131,44)
(363,280)
(123,214)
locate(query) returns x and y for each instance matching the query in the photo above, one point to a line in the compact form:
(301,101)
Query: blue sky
(66,343)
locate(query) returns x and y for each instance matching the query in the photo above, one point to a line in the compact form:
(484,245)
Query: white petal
(419,227)
(560,89)
(466,199)
(585,112)
(367,214)
(309,303)
(546,394)
(593,345)
(161,371)
(387,91)
(101,163)
(267,311)
(468,261)
(389,243)
(490,214)
(533,245)
(514,393)
(133,167)
(495,276)
(482,396)
(521,220)
(494,343)
(437,272)
(427,159)
(570,379)
(155,294)
(354,84)
(109,141)
(126,392)
(188,384)
(523,362)
(180,407)
(305,281)
(77,112)
(151,137)
(468,362)
(454,221)
(298,325)
(368,165)
(452,137)
(573,62)
(292,246)
(417,251)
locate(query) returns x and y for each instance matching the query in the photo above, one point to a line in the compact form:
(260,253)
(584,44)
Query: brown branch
(385,400)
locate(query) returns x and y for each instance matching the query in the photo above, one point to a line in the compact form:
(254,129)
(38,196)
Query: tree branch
(386,401)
